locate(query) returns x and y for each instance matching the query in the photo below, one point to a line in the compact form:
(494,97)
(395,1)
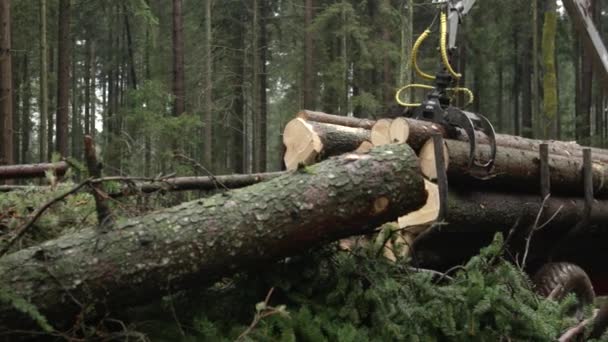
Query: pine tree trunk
(26,120)
(87,87)
(534,94)
(93,91)
(63,77)
(6,84)
(179,91)
(309,56)
(516,84)
(76,133)
(550,100)
(208,106)
(52,102)
(130,49)
(17,68)
(198,242)
(527,100)
(43,104)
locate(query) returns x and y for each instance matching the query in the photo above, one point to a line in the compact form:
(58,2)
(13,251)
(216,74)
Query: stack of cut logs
(510,193)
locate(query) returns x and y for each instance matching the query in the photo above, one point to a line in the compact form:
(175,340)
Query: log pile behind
(480,201)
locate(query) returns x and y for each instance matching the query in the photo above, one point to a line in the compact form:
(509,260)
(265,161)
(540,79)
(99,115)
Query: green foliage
(25,307)
(358,296)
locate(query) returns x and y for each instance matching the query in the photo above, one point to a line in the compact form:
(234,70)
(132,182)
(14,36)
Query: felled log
(339,120)
(197,242)
(308,142)
(32,170)
(517,169)
(421,131)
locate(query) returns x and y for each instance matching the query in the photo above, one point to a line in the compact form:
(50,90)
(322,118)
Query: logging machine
(437,106)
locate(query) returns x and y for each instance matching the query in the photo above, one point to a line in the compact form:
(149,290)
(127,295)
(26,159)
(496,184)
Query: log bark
(520,170)
(336,119)
(308,142)
(421,131)
(32,170)
(197,242)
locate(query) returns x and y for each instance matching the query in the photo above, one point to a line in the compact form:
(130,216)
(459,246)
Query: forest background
(218,80)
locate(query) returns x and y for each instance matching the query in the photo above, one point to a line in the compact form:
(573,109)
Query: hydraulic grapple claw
(470,123)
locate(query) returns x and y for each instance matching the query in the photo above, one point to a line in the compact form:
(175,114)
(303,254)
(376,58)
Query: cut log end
(418,220)
(381,132)
(427,160)
(302,144)
(399,131)
(365,147)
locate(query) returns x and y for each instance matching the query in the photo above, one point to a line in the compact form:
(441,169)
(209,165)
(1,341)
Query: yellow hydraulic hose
(407,87)
(415,49)
(443,43)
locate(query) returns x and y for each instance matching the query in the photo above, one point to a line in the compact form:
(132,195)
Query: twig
(266,311)
(578,329)
(23,229)
(536,227)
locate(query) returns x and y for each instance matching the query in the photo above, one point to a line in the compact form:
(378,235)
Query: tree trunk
(63,77)
(549,77)
(32,170)
(309,56)
(26,120)
(6,84)
(518,170)
(308,142)
(179,104)
(516,84)
(93,91)
(76,132)
(132,73)
(500,99)
(190,245)
(527,100)
(43,104)
(534,94)
(208,106)
(17,69)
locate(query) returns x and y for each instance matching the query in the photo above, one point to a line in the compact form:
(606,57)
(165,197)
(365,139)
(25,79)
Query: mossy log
(518,170)
(32,170)
(193,244)
(308,142)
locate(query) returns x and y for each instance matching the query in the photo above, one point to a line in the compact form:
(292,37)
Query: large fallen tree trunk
(195,243)
(308,142)
(516,169)
(32,170)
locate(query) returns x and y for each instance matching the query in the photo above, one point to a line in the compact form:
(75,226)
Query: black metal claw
(470,123)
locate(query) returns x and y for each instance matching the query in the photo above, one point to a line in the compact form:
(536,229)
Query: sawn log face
(196,242)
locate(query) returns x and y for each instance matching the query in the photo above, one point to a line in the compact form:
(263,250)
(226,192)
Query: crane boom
(579,11)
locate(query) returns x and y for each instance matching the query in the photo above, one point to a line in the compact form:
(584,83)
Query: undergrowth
(356,296)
